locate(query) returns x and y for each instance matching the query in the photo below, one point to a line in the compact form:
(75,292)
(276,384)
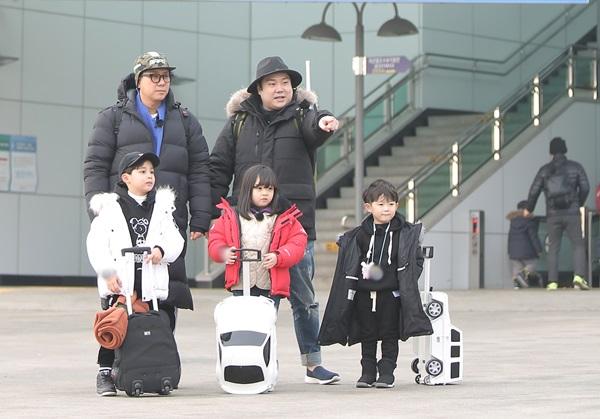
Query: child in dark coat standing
(524,247)
(374,294)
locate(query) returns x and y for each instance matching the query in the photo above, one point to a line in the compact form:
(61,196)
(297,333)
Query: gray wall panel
(53,58)
(115,10)
(9,244)
(11,43)
(49,235)
(105,66)
(68,7)
(57,129)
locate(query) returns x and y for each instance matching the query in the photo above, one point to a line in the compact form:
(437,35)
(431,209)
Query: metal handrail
(420,64)
(530,41)
(474,131)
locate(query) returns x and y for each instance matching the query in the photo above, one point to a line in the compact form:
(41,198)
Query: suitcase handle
(245,258)
(427,252)
(137,250)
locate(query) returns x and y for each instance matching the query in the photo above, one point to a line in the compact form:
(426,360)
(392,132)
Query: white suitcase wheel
(434,367)
(415,366)
(435,309)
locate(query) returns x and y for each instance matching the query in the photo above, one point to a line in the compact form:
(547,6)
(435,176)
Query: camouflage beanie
(147,61)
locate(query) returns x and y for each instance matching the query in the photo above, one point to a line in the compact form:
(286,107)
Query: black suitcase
(148,360)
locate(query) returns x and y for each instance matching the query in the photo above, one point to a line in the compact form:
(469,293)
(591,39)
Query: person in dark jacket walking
(147,118)
(275,123)
(566,188)
(374,295)
(524,247)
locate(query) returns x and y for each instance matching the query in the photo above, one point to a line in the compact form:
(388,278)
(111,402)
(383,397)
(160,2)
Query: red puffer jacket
(288,241)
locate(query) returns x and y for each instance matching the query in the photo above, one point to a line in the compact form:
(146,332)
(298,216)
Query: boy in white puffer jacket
(135,214)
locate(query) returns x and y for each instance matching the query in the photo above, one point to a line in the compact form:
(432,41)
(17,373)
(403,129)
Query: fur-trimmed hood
(165,198)
(236,99)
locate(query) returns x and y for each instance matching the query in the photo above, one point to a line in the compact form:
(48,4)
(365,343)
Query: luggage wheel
(136,389)
(427,380)
(435,309)
(418,378)
(415,366)
(434,367)
(166,387)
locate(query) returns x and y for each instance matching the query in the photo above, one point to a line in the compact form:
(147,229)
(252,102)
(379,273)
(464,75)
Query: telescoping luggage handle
(138,250)
(246,256)
(428,255)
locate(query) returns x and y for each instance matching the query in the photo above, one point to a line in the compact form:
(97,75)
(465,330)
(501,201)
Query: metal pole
(359,151)
(590,251)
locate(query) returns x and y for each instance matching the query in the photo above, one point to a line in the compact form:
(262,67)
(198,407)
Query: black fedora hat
(271,65)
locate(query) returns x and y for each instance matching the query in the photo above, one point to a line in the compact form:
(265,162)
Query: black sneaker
(365,381)
(385,381)
(105,385)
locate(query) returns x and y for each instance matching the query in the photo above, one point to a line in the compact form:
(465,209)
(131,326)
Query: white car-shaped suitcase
(439,357)
(246,338)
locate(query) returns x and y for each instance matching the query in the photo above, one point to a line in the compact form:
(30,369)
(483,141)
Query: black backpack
(557,188)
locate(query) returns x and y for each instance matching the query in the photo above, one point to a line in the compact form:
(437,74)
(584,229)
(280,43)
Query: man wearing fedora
(566,188)
(276,123)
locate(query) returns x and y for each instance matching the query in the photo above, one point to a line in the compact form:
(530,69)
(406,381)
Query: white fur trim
(236,99)
(101,200)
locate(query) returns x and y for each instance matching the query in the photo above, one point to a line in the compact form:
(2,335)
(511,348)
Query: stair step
(441,140)
(397,160)
(409,151)
(453,120)
(439,131)
(397,170)
(332,214)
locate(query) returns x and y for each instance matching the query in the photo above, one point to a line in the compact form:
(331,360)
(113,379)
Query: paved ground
(528,353)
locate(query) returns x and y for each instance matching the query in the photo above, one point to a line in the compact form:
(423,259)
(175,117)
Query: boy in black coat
(524,247)
(378,266)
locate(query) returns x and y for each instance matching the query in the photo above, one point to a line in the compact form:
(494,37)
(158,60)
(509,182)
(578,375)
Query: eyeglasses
(155,78)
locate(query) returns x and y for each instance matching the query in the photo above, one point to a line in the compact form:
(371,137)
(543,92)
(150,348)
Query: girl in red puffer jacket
(258,222)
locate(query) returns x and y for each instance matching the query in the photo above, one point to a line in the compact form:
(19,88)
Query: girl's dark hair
(378,188)
(266,177)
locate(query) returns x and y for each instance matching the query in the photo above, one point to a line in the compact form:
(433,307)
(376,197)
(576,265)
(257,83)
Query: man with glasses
(146,118)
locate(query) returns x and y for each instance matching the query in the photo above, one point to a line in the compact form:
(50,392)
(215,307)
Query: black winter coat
(183,162)
(339,323)
(183,166)
(523,241)
(578,181)
(283,145)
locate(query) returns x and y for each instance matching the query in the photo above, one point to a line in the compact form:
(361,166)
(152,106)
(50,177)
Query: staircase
(431,140)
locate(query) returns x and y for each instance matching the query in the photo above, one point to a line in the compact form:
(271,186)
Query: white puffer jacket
(109,234)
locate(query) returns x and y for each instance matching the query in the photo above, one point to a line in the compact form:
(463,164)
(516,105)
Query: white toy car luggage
(246,338)
(440,355)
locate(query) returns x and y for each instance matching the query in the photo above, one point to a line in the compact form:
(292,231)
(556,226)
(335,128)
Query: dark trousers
(106,357)
(571,224)
(379,325)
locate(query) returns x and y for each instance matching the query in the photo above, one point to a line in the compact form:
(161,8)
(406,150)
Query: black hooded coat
(339,323)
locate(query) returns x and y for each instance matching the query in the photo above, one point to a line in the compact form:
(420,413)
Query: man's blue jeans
(305,308)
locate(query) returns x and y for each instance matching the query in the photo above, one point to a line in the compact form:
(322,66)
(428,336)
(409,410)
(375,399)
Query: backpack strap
(185,113)
(118,109)
(240,117)
(237,124)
